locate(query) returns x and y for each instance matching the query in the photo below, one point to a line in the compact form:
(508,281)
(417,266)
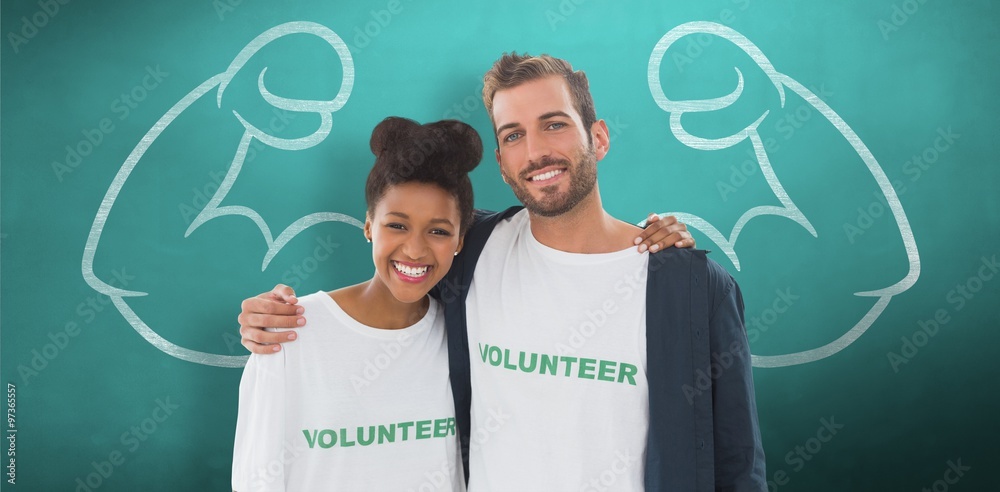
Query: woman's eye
(396,226)
(440,232)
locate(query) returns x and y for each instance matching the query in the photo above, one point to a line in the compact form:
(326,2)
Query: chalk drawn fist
(781,175)
(229,132)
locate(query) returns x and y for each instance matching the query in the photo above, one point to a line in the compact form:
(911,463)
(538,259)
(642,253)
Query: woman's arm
(259,446)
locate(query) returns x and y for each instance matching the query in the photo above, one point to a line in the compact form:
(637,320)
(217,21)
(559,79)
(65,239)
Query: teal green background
(933,69)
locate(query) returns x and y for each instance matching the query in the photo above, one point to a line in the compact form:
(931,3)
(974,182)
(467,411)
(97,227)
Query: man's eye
(557,125)
(511,137)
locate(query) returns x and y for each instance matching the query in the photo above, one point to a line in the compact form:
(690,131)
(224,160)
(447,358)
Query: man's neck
(587,228)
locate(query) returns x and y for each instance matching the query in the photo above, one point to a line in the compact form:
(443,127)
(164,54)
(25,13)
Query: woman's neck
(372,304)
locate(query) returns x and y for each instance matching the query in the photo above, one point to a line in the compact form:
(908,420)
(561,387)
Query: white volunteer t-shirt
(349,407)
(558,364)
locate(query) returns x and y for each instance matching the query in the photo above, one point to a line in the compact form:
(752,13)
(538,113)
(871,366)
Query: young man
(577,363)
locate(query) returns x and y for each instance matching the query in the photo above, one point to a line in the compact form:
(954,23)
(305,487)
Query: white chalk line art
(788,209)
(213,209)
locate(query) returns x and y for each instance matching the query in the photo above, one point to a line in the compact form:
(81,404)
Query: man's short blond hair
(512,70)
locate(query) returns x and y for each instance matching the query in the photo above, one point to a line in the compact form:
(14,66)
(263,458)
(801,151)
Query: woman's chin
(409,295)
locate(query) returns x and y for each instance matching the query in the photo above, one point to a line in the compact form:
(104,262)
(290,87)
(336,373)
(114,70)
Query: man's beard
(583,178)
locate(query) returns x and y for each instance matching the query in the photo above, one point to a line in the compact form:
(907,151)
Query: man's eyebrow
(545,116)
(504,127)
(553,114)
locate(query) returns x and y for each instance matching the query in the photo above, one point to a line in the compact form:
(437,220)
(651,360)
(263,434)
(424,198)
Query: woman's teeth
(410,271)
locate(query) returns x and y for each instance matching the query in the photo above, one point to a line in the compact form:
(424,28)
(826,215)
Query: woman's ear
(368,228)
(461,243)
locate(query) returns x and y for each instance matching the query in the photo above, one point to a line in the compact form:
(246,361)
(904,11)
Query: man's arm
(276,309)
(739,454)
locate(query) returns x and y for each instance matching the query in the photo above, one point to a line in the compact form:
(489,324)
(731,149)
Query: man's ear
(601,138)
(496,153)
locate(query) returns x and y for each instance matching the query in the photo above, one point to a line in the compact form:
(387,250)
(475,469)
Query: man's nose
(537,148)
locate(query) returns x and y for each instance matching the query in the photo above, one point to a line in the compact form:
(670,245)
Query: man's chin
(547,209)
(551,203)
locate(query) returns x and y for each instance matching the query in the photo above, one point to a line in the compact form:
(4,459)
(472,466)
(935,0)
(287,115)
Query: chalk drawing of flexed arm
(215,207)
(727,241)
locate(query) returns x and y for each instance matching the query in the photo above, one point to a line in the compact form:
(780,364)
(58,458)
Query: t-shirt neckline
(338,312)
(575,258)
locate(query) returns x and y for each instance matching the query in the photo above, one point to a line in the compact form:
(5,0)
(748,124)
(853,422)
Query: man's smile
(544,177)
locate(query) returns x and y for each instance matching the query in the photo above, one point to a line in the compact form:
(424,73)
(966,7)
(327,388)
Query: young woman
(366,403)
